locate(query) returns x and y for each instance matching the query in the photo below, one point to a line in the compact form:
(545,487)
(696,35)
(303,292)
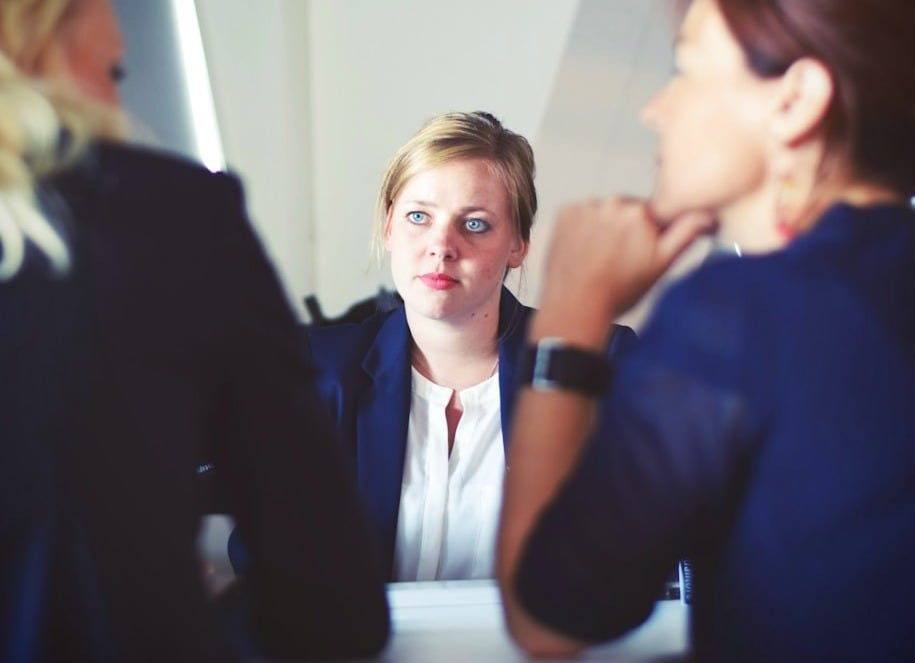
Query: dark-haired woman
(765,425)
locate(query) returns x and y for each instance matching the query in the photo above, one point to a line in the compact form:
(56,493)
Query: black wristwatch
(552,363)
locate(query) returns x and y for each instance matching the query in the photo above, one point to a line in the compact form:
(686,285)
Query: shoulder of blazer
(123,162)
(341,348)
(144,193)
(347,357)
(146,180)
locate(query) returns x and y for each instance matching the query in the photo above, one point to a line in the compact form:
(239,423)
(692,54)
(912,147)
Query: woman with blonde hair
(423,395)
(37,40)
(141,329)
(764,425)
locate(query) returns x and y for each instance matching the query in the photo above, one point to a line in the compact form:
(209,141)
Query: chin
(435,306)
(664,208)
(668,205)
(665,203)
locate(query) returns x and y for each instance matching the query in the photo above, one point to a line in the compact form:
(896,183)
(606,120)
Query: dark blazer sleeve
(311,587)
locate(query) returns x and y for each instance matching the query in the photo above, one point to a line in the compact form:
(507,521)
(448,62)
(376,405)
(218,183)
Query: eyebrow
(421,203)
(464,210)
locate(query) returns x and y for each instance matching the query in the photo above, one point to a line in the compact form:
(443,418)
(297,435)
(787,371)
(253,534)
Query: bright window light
(197,82)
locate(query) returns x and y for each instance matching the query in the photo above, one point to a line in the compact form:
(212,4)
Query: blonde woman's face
(451,237)
(90,50)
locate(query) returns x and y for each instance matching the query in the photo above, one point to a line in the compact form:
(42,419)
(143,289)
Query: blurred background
(307,100)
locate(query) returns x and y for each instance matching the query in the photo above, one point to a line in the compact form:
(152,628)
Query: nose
(443,242)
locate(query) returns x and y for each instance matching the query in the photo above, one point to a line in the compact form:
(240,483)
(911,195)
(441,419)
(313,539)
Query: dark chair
(385,300)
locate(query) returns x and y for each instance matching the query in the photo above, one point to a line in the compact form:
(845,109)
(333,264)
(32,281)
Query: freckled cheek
(403,250)
(492,267)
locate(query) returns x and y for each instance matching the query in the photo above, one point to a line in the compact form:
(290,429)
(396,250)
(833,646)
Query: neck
(452,355)
(750,222)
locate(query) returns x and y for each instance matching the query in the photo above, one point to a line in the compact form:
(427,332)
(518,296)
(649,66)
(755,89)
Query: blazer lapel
(381,427)
(512,330)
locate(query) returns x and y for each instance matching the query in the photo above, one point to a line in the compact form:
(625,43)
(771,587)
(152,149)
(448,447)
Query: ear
(805,94)
(517,253)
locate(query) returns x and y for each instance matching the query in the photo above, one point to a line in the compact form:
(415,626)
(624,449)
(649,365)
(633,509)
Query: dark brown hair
(869,47)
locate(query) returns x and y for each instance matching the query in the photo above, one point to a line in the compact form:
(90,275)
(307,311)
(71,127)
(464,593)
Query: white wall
(257,53)
(380,69)
(314,96)
(153,92)
(591,141)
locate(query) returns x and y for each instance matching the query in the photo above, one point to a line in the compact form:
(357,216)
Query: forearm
(546,442)
(549,431)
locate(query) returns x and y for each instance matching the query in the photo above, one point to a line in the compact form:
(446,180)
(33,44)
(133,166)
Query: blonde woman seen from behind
(142,329)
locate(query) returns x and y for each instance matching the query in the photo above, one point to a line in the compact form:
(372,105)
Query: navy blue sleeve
(650,479)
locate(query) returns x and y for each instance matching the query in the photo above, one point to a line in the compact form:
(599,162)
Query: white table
(461,621)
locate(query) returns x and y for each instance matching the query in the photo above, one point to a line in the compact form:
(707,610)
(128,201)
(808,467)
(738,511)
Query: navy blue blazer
(363,376)
(764,427)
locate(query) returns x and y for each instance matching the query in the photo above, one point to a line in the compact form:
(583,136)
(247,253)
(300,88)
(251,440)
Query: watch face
(552,364)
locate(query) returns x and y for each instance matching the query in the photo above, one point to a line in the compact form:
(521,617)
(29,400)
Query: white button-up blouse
(449,505)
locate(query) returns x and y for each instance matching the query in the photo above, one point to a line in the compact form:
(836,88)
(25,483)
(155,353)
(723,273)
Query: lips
(438,281)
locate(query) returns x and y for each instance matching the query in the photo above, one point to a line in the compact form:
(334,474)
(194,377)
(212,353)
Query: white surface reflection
(461,620)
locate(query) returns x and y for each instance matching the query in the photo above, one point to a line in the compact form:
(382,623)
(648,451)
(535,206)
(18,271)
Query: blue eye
(416,217)
(476,225)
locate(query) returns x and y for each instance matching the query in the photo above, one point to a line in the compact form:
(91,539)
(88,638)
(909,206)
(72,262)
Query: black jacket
(169,342)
